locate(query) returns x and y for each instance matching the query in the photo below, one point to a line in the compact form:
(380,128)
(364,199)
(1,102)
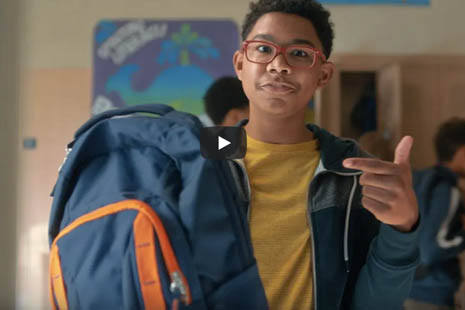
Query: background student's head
(450,145)
(225,101)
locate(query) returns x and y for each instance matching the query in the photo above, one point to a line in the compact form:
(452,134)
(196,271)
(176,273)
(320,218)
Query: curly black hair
(224,94)
(449,138)
(308,9)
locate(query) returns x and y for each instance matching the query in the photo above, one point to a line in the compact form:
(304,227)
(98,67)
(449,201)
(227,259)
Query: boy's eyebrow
(269,37)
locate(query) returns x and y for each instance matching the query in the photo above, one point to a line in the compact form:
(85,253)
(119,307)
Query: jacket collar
(333,150)
(446,173)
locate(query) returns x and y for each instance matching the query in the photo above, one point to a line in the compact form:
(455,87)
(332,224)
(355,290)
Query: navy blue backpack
(140,220)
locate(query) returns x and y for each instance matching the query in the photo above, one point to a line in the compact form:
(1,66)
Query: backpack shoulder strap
(156,109)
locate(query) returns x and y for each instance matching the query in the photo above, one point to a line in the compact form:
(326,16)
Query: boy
(225,102)
(313,210)
(442,235)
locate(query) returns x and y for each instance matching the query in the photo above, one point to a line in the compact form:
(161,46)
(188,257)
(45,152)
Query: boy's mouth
(278,87)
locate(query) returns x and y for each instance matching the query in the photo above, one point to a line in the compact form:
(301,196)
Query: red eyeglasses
(263,52)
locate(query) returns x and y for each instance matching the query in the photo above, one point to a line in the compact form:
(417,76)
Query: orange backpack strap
(146,224)
(57,285)
(144,243)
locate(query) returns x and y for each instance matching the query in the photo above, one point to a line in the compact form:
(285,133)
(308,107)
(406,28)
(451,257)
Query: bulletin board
(173,62)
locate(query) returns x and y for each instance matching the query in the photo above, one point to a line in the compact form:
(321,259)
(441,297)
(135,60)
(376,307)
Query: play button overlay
(221,142)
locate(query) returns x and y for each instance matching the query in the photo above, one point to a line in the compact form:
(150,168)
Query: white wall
(436,29)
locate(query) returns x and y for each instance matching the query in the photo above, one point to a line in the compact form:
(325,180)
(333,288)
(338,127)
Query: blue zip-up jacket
(358,262)
(442,237)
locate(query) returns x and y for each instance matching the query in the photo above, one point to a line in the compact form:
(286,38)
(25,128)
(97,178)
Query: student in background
(442,235)
(225,102)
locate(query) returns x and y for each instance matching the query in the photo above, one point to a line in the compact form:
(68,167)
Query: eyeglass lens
(298,56)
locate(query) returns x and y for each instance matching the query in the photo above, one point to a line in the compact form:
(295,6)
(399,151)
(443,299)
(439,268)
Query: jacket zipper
(248,194)
(309,219)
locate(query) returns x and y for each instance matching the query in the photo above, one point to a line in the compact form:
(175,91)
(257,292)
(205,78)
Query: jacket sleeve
(384,282)
(442,236)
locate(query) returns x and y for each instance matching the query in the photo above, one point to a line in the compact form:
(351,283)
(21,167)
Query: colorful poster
(396,2)
(160,61)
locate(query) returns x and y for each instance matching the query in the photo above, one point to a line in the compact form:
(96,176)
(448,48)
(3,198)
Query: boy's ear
(238,60)
(461,153)
(459,161)
(327,70)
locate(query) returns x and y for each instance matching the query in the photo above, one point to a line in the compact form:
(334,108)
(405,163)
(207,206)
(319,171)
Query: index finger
(372,165)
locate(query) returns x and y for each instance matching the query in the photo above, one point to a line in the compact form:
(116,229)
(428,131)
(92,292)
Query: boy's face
(276,88)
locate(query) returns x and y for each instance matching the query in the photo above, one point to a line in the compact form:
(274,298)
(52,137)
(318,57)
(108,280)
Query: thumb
(402,153)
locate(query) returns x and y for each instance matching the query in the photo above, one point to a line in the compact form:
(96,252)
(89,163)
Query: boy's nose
(279,64)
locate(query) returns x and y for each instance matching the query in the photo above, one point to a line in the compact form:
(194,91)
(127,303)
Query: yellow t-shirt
(279,176)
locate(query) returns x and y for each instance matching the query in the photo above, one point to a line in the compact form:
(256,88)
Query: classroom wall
(58,33)
(55,88)
(8,150)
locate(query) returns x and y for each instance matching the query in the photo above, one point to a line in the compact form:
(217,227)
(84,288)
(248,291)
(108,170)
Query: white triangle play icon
(222,143)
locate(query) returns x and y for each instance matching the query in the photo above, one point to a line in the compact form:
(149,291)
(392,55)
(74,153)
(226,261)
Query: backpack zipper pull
(67,151)
(177,286)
